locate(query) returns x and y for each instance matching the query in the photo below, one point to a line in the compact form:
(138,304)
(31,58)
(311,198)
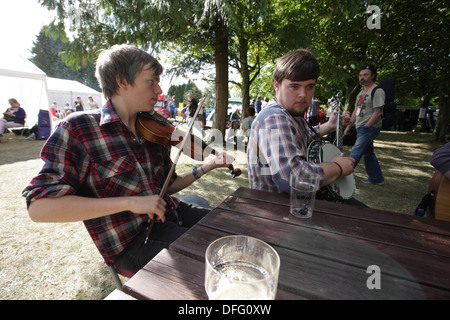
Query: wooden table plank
(314,277)
(438,227)
(392,234)
(396,261)
(194,242)
(174,276)
(169,276)
(324,257)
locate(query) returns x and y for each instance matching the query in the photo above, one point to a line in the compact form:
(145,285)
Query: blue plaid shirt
(282,143)
(93,154)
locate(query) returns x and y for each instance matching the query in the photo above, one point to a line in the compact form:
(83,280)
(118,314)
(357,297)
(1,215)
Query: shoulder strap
(373,92)
(422,208)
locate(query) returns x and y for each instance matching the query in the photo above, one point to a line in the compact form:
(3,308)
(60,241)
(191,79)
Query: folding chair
(22,129)
(115,271)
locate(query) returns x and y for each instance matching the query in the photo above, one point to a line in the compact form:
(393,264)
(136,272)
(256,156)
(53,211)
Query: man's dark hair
(298,65)
(372,69)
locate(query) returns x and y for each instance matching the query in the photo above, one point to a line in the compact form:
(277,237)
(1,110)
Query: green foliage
(47,57)
(179,92)
(411,44)
(262,86)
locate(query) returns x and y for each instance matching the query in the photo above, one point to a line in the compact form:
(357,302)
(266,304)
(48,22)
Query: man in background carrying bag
(368,117)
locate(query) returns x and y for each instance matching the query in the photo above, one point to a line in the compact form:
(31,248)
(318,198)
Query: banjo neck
(339,131)
(339,141)
(319,151)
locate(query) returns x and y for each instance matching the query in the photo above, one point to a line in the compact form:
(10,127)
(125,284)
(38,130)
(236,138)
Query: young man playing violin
(99,170)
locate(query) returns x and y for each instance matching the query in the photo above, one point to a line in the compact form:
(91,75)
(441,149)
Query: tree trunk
(245,75)
(425,102)
(443,120)
(352,89)
(221,65)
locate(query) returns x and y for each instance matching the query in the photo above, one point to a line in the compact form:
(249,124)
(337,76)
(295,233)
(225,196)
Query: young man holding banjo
(280,136)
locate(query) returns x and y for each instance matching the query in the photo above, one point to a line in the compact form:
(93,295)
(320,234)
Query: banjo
(320,151)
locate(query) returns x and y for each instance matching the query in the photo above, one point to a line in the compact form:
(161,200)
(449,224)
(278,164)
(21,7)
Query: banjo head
(319,152)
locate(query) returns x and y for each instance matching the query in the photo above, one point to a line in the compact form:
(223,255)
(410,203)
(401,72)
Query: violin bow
(151,222)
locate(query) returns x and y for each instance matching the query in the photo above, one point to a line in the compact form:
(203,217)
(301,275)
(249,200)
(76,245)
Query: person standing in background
(368,118)
(92,104)
(258,105)
(171,108)
(79,105)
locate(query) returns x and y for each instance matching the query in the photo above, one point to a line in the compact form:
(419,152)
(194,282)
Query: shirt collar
(108,114)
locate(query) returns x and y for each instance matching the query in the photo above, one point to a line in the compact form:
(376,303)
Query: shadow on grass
(405,161)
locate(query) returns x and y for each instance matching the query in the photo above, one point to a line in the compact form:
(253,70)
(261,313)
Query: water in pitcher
(238,280)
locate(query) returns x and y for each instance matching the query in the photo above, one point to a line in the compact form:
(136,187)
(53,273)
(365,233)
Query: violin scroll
(234,172)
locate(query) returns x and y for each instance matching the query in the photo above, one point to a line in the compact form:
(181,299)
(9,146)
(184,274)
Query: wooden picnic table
(341,252)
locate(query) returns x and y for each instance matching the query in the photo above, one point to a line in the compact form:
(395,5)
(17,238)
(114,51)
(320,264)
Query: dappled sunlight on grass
(216,185)
(413,173)
(405,161)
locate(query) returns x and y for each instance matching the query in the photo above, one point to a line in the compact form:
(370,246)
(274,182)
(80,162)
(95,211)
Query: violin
(153,127)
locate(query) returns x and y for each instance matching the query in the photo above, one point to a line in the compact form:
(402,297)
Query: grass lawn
(60,261)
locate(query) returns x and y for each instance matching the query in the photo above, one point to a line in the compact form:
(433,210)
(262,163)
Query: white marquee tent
(22,80)
(64,91)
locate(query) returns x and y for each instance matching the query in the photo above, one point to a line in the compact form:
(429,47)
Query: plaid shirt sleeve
(59,176)
(282,143)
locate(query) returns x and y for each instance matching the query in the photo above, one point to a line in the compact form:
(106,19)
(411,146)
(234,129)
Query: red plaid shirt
(93,154)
